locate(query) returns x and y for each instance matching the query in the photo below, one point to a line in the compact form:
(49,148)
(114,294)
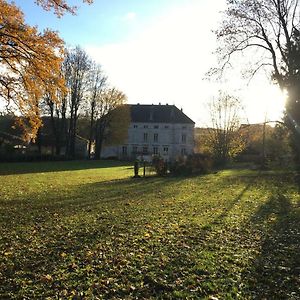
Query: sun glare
(264,102)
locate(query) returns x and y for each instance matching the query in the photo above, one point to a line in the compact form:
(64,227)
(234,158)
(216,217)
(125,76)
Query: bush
(160,166)
(193,164)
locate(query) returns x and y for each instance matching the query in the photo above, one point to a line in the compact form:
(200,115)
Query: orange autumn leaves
(30,62)
(59,6)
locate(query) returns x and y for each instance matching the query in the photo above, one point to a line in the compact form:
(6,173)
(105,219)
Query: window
(145,126)
(145,137)
(183,127)
(166,126)
(156,126)
(166,150)
(134,149)
(155,137)
(155,150)
(183,138)
(135,126)
(124,150)
(145,150)
(183,151)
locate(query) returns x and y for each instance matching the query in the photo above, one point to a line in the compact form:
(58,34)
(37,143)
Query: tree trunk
(99,139)
(91,129)
(39,141)
(63,125)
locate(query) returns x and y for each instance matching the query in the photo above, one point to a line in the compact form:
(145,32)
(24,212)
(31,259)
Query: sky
(159,51)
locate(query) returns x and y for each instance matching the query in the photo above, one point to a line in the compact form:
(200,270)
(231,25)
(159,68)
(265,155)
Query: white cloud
(129,16)
(167,62)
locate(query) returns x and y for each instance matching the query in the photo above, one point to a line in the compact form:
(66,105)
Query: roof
(141,113)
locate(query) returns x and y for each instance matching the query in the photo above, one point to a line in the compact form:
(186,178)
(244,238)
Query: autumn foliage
(30,65)
(59,6)
(30,62)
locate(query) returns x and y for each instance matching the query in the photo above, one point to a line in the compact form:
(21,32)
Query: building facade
(155,130)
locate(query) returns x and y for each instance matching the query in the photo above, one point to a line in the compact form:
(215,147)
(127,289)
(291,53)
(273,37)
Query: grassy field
(87,230)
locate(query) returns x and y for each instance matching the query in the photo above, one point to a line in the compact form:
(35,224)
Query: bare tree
(57,112)
(97,84)
(225,140)
(77,64)
(271,29)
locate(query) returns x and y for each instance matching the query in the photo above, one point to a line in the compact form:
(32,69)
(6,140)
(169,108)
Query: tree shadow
(126,240)
(112,193)
(34,234)
(275,273)
(56,166)
(248,181)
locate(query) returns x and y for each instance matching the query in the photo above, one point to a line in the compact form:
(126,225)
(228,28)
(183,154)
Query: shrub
(160,166)
(193,164)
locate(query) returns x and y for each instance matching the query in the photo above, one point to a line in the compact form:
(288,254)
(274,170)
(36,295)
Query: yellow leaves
(147,235)
(46,278)
(63,254)
(30,64)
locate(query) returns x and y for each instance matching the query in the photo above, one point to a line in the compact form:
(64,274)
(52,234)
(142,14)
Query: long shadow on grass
(120,230)
(66,237)
(275,273)
(114,239)
(55,166)
(248,181)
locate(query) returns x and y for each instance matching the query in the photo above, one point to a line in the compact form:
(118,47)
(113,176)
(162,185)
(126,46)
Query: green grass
(86,230)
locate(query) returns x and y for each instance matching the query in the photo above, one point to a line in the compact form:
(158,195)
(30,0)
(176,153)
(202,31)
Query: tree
(112,119)
(265,143)
(57,112)
(271,29)
(29,62)
(202,136)
(97,83)
(77,66)
(278,145)
(225,140)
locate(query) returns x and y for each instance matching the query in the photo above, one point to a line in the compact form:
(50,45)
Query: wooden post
(136,169)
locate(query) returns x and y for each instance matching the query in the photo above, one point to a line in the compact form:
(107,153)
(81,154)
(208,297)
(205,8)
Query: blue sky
(100,23)
(158,51)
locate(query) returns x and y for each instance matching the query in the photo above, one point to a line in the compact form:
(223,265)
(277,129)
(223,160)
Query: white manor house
(162,130)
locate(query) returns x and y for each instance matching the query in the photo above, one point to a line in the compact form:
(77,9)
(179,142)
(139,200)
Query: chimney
(151,114)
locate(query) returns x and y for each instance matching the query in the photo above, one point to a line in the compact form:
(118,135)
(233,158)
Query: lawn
(87,230)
